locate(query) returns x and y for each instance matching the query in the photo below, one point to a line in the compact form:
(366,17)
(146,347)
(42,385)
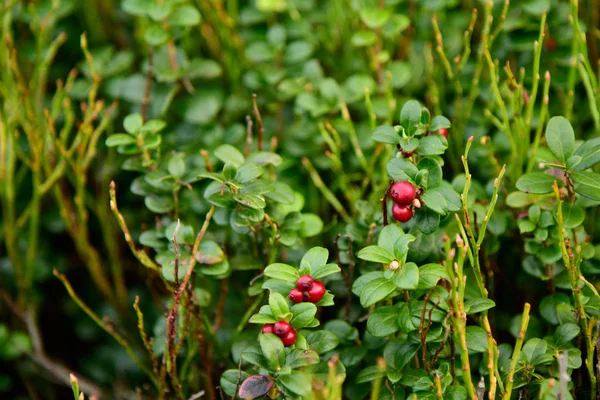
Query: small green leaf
(434,172)
(386,134)
(272,349)
(120,139)
(176,165)
(278,304)
(304,313)
(322,341)
(283,272)
(370,374)
(297,382)
(410,116)
(133,123)
(435,201)
(375,17)
(560,138)
(375,291)
(400,169)
(185,15)
(476,339)
(376,254)
(383,321)
(587,184)
(228,153)
(536,182)
(262,319)
(430,274)
(427,220)
(159,204)
(438,122)
(589,152)
(316,256)
(321,271)
(248,171)
(432,145)
(407,276)
(156,35)
(565,333)
(478,305)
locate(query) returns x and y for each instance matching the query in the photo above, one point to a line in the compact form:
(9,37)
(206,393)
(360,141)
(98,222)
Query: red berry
(268,328)
(305,282)
(443,132)
(550,44)
(289,339)
(281,328)
(403,192)
(316,292)
(401,213)
(296,296)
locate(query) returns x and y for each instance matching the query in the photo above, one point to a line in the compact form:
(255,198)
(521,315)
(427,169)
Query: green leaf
(204,106)
(565,333)
(311,226)
(476,339)
(120,139)
(229,380)
(407,276)
(248,171)
(376,254)
(209,253)
(155,35)
(452,197)
(297,382)
(435,201)
(432,145)
(375,291)
(375,17)
(298,358)
(154,125)
(430,274)
(133,123)
(386,134)
(304,313)
(370,374)
(283,272)
(159,204)
(278,304)
(383,321)
(587,184)
(589,152)
(400,169)
(560,138)
(478,305)
(228,153)
(322,341)
(427,220)
(265,157)
(363,280)
(282,193)
(573,215)
(262,319)
(536,182)
(185,15)
(315,256)
(438,122)
(410,116)
(434,172)
(272,349)
(363,38)
(176,165)
(534,351)
(322,271)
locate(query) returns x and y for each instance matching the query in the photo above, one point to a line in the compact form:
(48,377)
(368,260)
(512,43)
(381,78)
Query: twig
(221,306)
(148,88)
(259,122)
(517,352)
(102,324)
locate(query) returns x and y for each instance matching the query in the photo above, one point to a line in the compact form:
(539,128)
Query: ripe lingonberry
(403,192)
(305,282)
(296,295)
(281,328)
(268,328)
(289,339)
(315,293)
(443,132)
(401,213)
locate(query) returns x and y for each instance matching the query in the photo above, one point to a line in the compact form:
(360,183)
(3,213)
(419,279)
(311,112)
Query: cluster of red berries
(308,290)
(284,330)
(403,194)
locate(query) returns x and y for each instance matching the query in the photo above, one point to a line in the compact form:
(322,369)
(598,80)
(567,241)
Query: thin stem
(517,352)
